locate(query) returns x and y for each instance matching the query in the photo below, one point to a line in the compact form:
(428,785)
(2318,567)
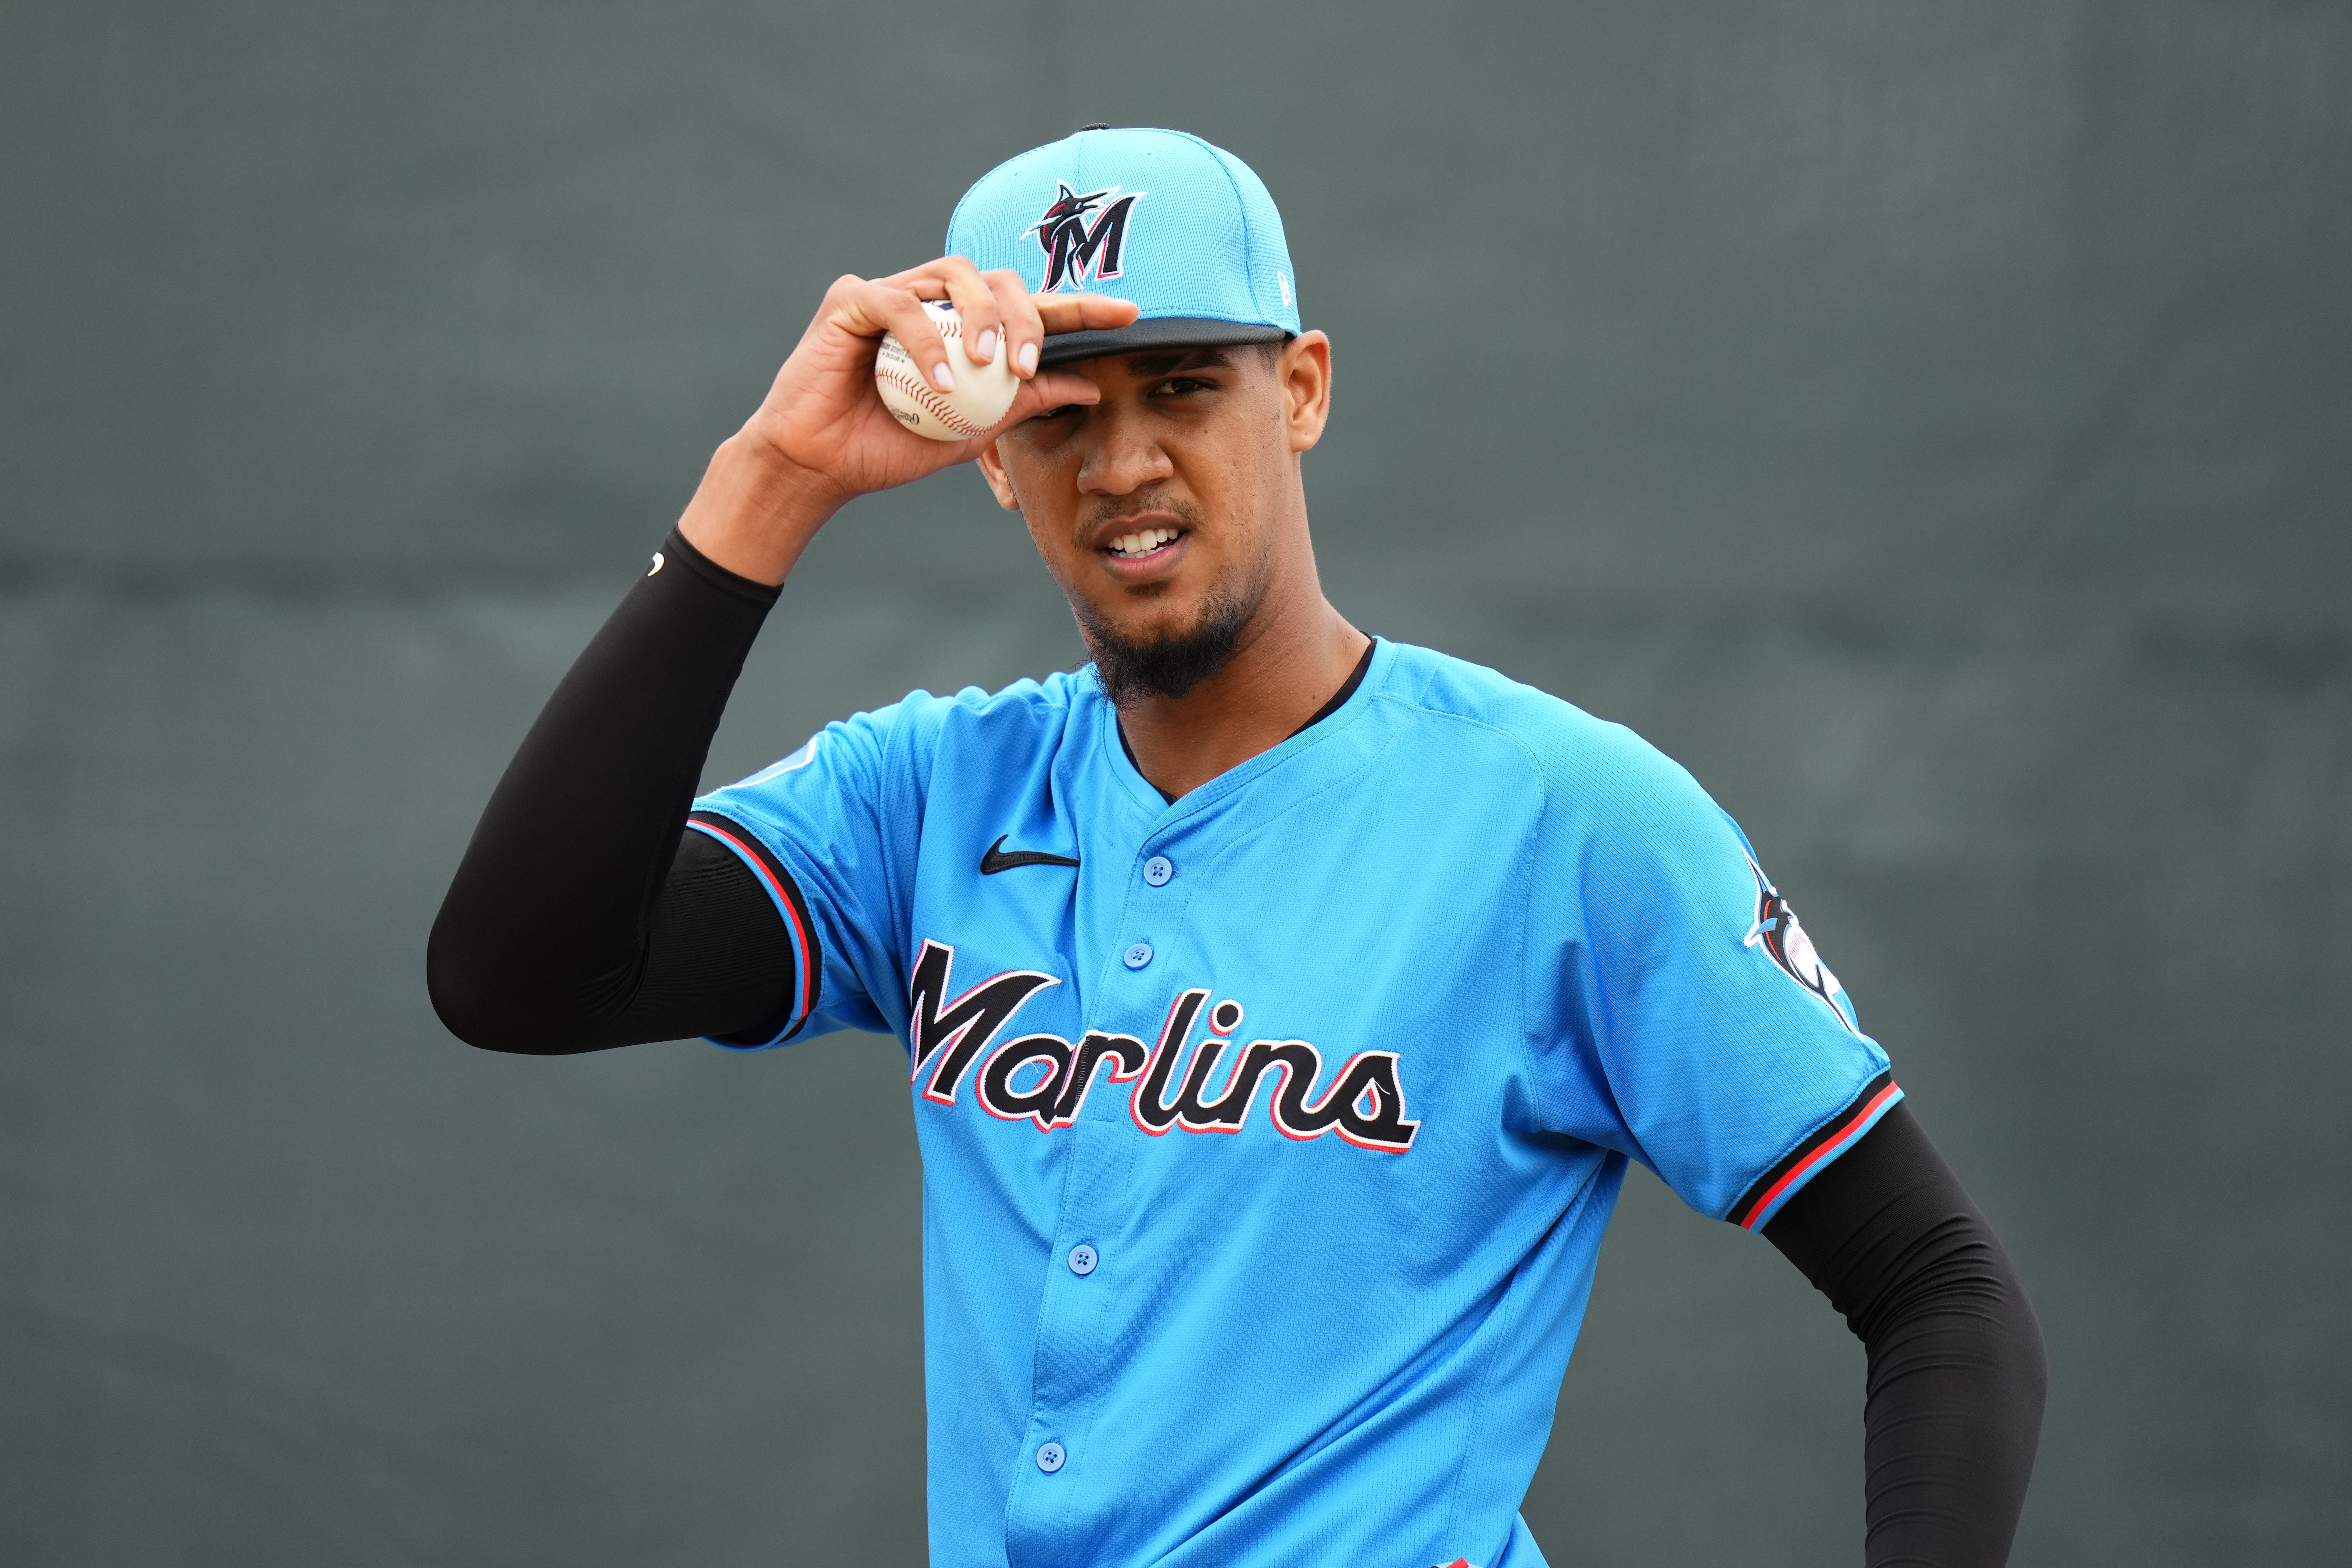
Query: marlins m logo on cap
(1071,247)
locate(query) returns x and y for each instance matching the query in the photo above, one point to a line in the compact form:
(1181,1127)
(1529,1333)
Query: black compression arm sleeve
(584,914)
(1956,1360)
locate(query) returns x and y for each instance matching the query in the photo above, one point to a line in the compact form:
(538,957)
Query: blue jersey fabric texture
(1327,1074)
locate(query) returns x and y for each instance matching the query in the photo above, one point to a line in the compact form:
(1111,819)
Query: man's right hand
(822,436)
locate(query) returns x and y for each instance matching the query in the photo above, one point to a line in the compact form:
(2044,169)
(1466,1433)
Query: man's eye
(1177,385)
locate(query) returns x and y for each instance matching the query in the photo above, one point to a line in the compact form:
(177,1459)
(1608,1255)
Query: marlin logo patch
(1083,233)
(1776,929)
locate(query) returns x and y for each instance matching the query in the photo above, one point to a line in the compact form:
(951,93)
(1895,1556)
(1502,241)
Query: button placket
(1070,1352)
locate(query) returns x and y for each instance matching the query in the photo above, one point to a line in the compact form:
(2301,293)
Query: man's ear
(992,468)
(1305,372)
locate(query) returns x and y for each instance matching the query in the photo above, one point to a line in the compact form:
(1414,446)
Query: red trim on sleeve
(1761,1201)
(787,901)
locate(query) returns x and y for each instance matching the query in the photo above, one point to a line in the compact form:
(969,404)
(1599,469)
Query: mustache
(1118,509)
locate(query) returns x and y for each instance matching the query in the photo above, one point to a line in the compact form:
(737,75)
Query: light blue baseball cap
(1184,229)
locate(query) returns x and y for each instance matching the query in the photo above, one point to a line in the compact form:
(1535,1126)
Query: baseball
(983,392)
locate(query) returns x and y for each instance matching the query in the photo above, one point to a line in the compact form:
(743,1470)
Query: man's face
(1172,510)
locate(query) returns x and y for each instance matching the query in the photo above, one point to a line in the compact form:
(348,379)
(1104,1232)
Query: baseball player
(1281,1004)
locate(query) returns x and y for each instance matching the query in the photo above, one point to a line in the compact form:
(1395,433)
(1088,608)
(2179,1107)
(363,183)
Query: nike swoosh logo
(996,860)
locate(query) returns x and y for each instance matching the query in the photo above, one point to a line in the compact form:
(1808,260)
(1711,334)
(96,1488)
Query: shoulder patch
(1778,931)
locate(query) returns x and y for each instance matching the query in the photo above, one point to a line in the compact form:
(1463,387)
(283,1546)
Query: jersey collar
(1353,701)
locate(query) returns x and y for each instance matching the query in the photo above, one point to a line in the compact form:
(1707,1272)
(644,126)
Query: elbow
(2033,1352)
(1986,1291)
(487,1004)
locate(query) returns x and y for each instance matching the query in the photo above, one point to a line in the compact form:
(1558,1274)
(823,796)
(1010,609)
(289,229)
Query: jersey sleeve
(830,831)
(1682,1013)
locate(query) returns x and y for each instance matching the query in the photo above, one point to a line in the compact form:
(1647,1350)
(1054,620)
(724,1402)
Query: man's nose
(1121,457)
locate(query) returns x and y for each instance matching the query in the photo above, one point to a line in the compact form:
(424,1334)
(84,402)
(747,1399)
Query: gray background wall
(1929,423)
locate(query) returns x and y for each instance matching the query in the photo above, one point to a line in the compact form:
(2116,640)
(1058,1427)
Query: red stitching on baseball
(931,403)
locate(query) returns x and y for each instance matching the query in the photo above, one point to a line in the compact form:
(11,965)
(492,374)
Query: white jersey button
(1083,1259)
(1052,1458)
(1158,870)
(1139,956)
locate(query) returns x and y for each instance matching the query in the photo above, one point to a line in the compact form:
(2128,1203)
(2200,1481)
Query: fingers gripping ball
(981,395)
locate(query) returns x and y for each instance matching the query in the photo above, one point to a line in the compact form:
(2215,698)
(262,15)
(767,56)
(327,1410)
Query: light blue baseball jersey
(1268,1136)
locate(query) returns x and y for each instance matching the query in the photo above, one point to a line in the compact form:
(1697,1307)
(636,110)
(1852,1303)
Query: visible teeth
(1142,542)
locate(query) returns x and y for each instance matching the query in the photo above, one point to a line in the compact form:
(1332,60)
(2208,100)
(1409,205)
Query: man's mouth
(1142,542)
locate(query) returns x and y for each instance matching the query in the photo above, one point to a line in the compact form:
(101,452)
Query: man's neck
(1286,669)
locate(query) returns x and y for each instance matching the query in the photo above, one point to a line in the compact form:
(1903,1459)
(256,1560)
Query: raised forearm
(544,942)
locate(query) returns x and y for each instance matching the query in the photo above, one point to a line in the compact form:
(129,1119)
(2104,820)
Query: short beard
(1172,665)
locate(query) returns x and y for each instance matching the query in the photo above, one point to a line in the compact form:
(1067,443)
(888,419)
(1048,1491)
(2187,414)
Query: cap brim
(1161,333)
